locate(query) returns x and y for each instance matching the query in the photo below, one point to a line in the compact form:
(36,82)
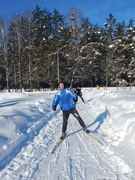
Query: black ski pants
(66,114)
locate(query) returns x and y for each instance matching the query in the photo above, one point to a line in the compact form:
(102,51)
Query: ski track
(79,157)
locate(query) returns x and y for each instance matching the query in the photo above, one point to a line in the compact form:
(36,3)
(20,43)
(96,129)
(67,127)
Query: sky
(95,10)
(29,130)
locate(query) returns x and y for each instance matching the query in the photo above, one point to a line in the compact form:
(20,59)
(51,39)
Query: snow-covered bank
(29,130)
(21,119)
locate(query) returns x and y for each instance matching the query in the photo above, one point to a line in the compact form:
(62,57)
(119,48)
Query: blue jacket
(64,97)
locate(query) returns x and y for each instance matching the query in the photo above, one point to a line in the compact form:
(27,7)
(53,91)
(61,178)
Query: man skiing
(79,93)
(67,100)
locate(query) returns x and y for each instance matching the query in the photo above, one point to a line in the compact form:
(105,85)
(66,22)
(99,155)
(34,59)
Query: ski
(93,137)
(61,140)
(57,144)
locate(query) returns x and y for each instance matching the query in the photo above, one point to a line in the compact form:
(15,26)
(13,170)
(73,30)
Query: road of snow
(29,131)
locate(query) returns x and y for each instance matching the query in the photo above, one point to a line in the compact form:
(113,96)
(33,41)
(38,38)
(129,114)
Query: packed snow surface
(29,130)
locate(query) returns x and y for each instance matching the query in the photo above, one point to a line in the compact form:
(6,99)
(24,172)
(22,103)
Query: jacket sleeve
(73,94)
(55,101)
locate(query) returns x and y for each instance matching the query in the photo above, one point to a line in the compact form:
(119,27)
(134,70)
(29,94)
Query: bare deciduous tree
(4,46)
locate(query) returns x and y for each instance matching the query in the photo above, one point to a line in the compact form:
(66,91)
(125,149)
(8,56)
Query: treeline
(41,48)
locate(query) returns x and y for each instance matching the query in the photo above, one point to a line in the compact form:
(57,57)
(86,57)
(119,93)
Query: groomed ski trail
(79,157)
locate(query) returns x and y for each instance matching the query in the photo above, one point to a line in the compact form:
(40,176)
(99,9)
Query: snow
(29,130)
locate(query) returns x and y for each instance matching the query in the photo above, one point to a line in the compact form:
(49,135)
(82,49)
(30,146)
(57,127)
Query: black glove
(75,99)
(54,108)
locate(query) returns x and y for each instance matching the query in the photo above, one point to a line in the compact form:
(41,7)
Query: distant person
(97,86)
(67,100)
(79,93)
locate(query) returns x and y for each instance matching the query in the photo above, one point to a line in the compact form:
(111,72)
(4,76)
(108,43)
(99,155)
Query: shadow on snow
(99,121)
(27,138)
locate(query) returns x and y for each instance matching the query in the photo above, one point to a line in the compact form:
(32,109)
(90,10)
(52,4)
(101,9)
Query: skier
(79,93)
(67,100)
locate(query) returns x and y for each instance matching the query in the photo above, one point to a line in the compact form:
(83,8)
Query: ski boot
(86,130)
(63,136)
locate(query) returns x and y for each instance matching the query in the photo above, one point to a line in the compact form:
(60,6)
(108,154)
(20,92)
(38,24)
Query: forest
(41,48)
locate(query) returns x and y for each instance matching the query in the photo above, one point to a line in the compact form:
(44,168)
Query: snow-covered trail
(78,157)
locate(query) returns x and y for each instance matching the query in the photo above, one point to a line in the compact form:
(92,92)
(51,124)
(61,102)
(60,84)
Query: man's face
(61,86)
